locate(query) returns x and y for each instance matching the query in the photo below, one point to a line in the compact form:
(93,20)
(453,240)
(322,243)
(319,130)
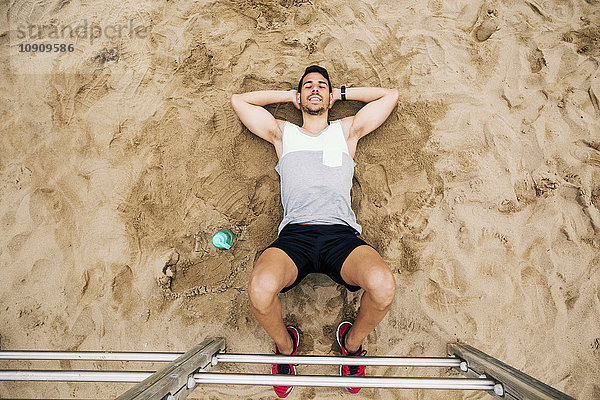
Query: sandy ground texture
(118,162)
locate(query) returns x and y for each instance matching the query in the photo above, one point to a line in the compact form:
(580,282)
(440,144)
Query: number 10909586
(46,48)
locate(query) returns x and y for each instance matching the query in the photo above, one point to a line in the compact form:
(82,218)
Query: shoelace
(283,369)
(356,369)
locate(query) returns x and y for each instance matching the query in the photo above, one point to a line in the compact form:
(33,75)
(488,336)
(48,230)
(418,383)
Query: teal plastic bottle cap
(223,239)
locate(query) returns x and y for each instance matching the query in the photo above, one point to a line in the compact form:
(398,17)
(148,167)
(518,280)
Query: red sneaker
(349,370)
(286,369)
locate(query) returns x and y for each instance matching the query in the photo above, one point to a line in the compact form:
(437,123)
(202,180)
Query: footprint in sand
(373,181)
(467,17)
(83,326)
(223,118)
(303,14)
(418,209)
(586,152)
(536,60)
(445,290)
(265,197)
(488,25)
(538,301)
(197,69)
(586,41)
(123,292)
(15,244)
(214,271)
(225,193)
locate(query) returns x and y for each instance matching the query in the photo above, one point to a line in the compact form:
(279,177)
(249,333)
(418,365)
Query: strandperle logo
(80,30)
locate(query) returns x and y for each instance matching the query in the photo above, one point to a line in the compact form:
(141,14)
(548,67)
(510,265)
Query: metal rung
(450,362)
(338,381)
(329,360)
(74,376)
(88,356)
(257,379)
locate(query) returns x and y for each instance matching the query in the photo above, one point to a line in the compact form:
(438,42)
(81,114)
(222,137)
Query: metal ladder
(185,371)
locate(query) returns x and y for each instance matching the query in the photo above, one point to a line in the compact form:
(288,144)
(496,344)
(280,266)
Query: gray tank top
(316,177)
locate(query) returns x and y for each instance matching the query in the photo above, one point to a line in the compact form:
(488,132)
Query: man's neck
(314,123)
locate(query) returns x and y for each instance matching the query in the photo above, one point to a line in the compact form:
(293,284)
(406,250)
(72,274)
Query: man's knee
(381,286)
(262,290)
(271,274)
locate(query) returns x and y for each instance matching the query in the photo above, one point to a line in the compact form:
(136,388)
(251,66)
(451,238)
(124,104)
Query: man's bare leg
(364,267)
(274,270)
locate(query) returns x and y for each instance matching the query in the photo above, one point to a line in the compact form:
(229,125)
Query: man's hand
(294,99)
(337,95)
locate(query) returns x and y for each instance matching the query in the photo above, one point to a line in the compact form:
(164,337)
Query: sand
(481,191)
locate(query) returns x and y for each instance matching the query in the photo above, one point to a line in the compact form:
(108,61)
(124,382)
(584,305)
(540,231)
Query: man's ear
(298,97)
(330,101)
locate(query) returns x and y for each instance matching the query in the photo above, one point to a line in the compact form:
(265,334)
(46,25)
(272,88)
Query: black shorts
(318,249)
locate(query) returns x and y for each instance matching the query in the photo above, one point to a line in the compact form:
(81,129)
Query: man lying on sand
(319,232)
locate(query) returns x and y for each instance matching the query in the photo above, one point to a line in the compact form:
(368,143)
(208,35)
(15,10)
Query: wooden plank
(516,384)
(174,377)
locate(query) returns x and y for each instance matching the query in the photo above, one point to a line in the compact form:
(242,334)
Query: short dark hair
(320,70)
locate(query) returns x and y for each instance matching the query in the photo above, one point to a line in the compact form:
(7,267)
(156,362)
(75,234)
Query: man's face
(314,94)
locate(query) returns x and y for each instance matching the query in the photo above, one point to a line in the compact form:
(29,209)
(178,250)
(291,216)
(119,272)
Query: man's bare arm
(380,103)
(249,108)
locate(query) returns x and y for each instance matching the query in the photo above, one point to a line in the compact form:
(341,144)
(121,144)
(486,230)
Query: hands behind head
(337,95)
(295,99)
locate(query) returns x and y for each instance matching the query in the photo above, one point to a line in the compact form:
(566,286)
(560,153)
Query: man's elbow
(394,94)
(236,101)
